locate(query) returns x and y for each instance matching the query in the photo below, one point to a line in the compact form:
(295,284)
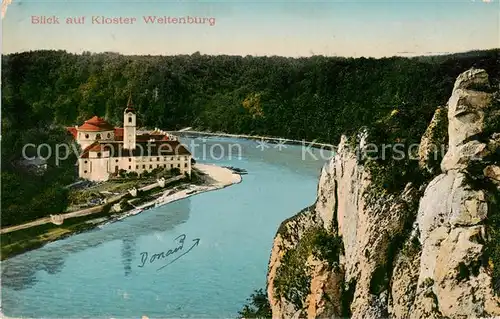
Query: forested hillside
(306,98)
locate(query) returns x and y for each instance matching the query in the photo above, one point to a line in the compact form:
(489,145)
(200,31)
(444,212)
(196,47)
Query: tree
(132,175)
(258,306)
(122,173)
(175,171)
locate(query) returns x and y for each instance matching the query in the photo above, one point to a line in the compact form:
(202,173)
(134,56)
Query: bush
(132,175)
(258,306)
(292,280)
(122,173)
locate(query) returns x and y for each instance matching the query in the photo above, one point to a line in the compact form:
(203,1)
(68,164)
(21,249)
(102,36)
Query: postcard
(250,159)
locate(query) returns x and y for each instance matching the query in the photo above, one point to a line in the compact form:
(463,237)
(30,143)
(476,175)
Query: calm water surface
(97,274)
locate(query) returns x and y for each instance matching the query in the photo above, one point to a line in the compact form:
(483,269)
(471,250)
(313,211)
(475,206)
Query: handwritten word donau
(145,256)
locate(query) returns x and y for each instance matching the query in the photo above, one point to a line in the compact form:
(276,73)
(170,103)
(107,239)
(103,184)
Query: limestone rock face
(367,231)
(466,117)
(451,214)
(419,253)
(289,235)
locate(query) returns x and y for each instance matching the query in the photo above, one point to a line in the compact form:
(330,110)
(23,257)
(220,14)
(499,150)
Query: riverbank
(20,241)
(267,139)
(219,177)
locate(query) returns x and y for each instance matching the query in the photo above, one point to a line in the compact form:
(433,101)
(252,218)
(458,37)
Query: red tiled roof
(96,124)
(72,130)
(85,153)
(118,131)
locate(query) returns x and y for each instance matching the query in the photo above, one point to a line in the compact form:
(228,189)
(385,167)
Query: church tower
(129,126)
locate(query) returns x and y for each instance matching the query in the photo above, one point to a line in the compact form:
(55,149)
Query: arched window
(98,136)
(130,119)
(109,135)
(86,136)
(99,154)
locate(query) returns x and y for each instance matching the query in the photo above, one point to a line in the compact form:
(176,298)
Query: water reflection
(20,272)
(128,251)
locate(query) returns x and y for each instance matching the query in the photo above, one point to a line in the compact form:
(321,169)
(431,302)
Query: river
(215,245)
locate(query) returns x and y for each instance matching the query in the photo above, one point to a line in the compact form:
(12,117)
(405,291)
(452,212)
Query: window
(85,172)
(99,154)
(151,159)
(129,167)
(164,165)
(186,158)
(130,159)
(86,136)
(178,165)
(98,137)
(109,135)
(185,164)
(136,166)
(150,166)
(143,166)
(85,162)
(158,159)
(171,165)
(117,161)
(130,119)
(165,159)
(172,159)
(157,165)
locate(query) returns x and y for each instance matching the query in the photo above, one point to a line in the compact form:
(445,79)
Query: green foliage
(326,246)
(26,194)
(122,173)
(492,254)
(292,280)
(400,242)
(311,98)
(258,306)
(428,282)
(492,121)
(175,171)
(132,175)
(391,157)
(145,174)
(412,246)
(317,98)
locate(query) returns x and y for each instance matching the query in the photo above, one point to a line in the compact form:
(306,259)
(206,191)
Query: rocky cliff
(431,249)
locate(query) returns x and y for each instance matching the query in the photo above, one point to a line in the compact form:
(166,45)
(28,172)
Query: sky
(286,28)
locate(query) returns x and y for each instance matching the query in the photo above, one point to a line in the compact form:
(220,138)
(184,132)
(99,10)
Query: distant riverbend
(268,139)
